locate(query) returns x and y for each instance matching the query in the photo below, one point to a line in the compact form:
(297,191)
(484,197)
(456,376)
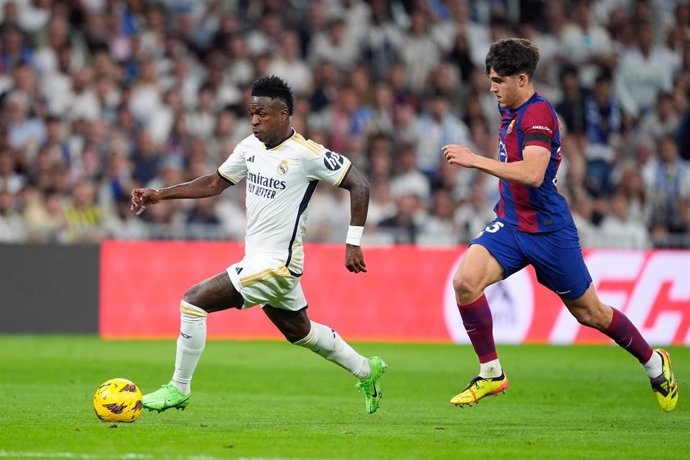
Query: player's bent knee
(583,317)
(193,295)
(294,332)
(466,290)
(590,318)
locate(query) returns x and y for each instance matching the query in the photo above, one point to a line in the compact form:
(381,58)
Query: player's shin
(626,335)
(324,341)
(190,345)
(478,322)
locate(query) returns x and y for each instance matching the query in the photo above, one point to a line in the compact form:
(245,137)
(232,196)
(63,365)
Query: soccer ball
(118,400)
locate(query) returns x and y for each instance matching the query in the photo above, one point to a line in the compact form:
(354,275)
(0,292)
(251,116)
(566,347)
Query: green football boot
(166,397)
(370,384)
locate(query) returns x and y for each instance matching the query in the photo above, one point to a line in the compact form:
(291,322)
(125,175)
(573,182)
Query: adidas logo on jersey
(250,159)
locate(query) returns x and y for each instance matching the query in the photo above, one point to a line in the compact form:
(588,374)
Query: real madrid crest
(283,167)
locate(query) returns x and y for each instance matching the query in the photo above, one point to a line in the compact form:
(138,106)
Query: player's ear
(522,79)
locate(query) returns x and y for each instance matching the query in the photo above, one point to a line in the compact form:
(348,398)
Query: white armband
(354,235)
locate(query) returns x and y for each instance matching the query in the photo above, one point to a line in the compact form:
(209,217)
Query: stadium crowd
(99,96)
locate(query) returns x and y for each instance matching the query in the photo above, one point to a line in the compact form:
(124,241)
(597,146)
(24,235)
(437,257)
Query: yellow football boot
(480,388)
(665,386)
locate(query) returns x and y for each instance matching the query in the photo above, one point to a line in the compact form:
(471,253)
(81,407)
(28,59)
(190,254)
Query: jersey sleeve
(327,166)
(234,168)
(539,126)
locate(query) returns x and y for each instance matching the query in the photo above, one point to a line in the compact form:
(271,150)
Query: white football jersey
(279,184)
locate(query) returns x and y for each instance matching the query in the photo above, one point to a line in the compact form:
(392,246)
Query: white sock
(324,341)
(490,369)
(190,344)
(653,367)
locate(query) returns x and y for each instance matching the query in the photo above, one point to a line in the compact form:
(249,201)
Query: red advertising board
(406,295)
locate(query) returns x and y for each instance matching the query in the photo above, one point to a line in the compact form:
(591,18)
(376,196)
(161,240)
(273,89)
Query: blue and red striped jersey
(530,209)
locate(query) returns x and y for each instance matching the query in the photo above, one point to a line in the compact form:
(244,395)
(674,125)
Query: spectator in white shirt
(619,231)
(643,72)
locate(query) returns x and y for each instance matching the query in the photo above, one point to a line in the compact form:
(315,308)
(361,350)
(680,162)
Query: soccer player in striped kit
(533,227)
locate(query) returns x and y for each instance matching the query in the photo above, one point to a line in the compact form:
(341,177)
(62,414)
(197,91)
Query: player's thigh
(493,255)
(214,294)
(558,262)
(478,268)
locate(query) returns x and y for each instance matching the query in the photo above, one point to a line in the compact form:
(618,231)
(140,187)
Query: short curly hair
(275,88)
(512,56)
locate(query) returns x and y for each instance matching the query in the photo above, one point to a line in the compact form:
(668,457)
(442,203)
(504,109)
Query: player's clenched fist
(141,197)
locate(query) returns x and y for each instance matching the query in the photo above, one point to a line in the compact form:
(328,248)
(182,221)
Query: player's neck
(524,97)
(287,135)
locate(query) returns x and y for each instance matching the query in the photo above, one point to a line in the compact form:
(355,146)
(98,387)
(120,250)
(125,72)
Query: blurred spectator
(125,225)
(464,35)
(474,214)
(603,129)
(381,203)
(661,122)
(419,54)
(405,224)
(643,72)
(571,105)
(588,233)
(440,227)
(44,215)
(10,180)
(14,50)
(436,127)
(408,178)
(585,44)
(84,217)
(346,117)
(669,191)
(334,45)
(25,132)
(618,230)
(460,56)
(11,224)
(146,158)
(380,44)
(289,65)
(631,186)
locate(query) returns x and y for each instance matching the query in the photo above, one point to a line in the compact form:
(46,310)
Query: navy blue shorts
(556,256)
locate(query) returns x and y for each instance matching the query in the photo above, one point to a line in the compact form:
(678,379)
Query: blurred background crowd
(99,96)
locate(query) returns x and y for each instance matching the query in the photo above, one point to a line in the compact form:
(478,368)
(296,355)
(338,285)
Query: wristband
(354,235)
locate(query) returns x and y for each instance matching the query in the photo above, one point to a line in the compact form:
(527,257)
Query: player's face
(507,89)
(269,119)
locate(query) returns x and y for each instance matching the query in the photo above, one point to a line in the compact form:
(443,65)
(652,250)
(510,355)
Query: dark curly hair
(512,56)
(274,88)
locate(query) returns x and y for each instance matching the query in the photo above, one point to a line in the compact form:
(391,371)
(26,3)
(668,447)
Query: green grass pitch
(269,400)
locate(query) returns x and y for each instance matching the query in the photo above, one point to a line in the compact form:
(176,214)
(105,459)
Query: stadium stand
(99,96)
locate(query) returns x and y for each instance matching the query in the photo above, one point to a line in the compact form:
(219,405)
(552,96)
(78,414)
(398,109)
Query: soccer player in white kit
(281,169)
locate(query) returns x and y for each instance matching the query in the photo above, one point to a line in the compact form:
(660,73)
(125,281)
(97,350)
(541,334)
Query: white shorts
(263,280)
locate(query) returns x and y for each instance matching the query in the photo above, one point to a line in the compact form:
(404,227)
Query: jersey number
(493,228)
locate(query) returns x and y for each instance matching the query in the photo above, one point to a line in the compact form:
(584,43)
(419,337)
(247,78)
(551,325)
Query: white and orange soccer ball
(118,400)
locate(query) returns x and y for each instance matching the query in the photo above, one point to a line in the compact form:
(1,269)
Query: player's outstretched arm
(201,187)
(358,186)
(530,171)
